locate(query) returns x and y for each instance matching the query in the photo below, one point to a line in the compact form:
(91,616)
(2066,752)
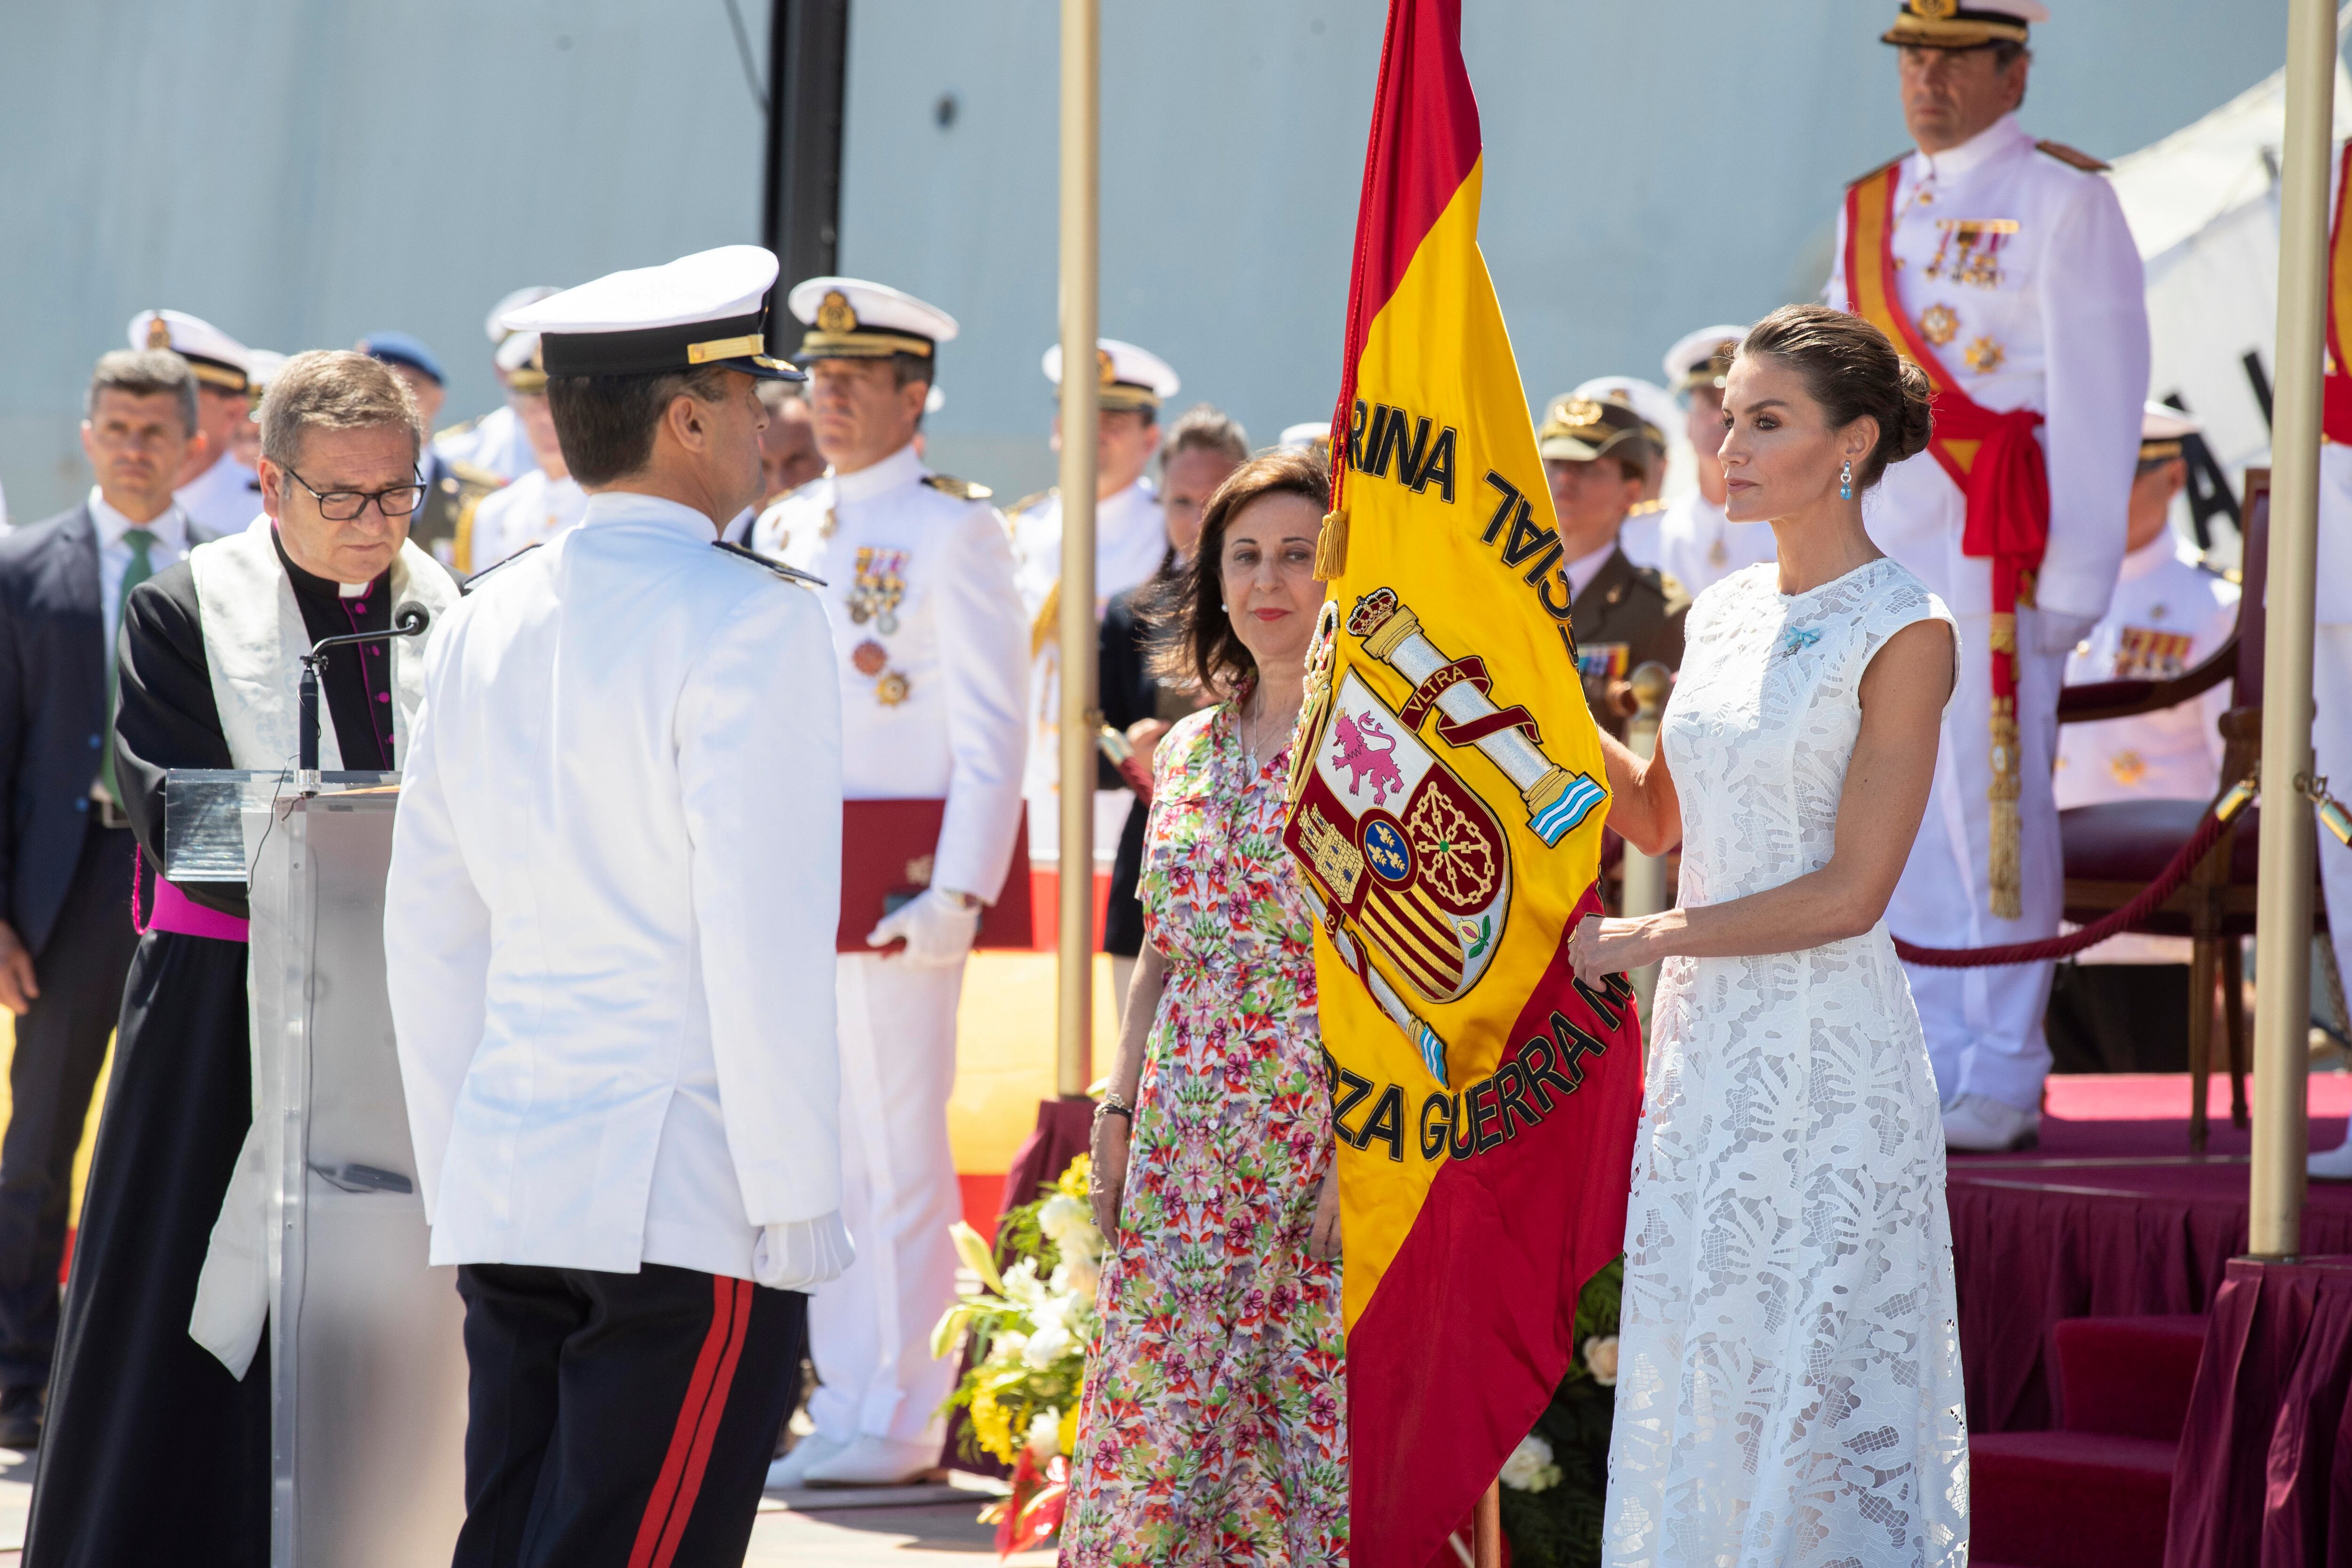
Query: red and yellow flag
(1447,802)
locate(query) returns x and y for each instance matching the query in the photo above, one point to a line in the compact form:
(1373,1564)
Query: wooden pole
(1486,1529)
(1076,632)
(2282,897)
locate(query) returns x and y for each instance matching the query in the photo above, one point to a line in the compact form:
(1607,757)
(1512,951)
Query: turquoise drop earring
(1845,481)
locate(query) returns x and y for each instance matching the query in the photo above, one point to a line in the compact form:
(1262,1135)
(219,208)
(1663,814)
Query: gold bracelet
(1112,1105)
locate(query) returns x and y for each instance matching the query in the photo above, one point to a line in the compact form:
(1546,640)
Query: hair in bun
(1851,369)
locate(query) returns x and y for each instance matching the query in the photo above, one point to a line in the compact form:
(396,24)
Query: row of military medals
(875,592)
(1968,253)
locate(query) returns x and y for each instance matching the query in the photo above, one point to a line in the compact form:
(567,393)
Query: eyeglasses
(343,505)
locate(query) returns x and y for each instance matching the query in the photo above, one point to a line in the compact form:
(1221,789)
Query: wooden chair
(2113,851)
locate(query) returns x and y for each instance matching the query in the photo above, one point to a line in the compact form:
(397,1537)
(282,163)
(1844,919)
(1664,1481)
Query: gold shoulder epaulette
(1026,502)
(1880,168)
(788,574)
(2065,154)
(473,476)
(463,427)
(961,489)
(1644,508)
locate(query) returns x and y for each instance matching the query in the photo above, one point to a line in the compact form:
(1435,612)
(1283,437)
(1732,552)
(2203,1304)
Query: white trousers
(870,1331)
(2331,743)
(1984,1026)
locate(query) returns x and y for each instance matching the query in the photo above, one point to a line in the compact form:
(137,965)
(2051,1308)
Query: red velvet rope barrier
(2168,881)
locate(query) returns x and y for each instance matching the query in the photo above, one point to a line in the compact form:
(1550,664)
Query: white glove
(938,927)
(2056,632)
(802,1252)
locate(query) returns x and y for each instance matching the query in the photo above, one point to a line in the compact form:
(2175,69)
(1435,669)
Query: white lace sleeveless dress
(1789,1383)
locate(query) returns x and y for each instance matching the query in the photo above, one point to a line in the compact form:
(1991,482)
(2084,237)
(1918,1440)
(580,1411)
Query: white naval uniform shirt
(2162,596)
(496,441)
(222,499)
(1130,541)
(533,510)
(2057,323)
(934,669)
(608,925)
(1698,546)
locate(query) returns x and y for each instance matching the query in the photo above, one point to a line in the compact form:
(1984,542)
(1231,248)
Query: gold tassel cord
(1331,547)
(2005,866)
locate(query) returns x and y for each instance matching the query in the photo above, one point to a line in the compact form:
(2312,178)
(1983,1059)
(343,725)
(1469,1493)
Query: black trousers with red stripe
(620,1420)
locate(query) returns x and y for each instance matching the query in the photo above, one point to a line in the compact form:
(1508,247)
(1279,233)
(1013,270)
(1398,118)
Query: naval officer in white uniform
(1698,547)
(546,501)
(1130,541)
(496,442)
(219,493)
(608,939)
(2011,266)
(933,652)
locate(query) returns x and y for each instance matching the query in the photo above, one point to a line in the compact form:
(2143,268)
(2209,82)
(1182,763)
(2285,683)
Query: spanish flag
(1447,797)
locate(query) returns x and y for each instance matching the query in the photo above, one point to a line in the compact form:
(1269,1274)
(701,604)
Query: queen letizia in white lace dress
(1788,1384)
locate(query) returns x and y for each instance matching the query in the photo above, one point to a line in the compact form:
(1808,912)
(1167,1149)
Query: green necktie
(139,570)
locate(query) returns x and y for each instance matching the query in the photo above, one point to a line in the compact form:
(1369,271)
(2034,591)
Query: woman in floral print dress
(1213,1426)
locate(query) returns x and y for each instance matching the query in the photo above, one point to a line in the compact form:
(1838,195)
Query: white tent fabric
(2203,206)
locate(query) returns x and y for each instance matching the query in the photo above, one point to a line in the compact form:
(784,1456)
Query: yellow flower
(991,1424)
(1073,1180)
(1067,1437)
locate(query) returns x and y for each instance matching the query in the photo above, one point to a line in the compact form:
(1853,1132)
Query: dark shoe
(20,1418)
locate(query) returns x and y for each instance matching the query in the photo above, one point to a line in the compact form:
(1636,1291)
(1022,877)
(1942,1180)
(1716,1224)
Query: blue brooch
(1797,639)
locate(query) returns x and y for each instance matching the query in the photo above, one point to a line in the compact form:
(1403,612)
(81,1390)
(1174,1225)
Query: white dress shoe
(792,1471)
(870,1461)
(1979,1124)
(2331,1165)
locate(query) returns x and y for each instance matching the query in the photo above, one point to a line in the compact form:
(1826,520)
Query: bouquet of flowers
(1029,1323)
(1555,1483)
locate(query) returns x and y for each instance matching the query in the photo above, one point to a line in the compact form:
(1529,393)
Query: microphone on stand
(409,621)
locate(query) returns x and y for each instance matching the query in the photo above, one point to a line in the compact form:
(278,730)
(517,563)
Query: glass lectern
(367,1365)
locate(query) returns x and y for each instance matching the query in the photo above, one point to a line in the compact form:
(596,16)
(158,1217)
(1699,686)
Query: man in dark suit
(66,862)
(1597,454)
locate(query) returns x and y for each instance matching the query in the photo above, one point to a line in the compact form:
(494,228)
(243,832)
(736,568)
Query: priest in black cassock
(157,1444)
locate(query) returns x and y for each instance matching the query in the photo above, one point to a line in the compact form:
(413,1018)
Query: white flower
(1078,1276)
(1060,1215)
(1022,1286)
(1045,1434)
(1601,1360)
(1529,1468)
(1009,1346)
(1049,1345)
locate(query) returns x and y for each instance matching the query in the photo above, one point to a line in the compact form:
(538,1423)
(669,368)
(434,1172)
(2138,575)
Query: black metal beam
(809,47)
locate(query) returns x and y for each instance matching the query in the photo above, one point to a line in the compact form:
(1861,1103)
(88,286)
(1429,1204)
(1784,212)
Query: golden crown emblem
(159,335)
(833,314)
(1934,10)
(1103,367)
(1578,411)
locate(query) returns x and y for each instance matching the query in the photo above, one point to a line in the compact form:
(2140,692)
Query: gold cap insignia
(1103,366)
(1934,10)
(159,334)
(1580,411)
(834,315)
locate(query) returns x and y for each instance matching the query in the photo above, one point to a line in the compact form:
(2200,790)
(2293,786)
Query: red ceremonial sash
(2335,390)
(1999,466)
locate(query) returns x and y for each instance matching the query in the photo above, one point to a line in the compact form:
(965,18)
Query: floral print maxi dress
(1214,1428)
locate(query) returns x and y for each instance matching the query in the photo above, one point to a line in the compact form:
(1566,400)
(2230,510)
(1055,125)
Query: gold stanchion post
(1076,634)
(2282,897)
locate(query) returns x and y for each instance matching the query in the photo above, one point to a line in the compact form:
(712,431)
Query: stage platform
(2110,1217)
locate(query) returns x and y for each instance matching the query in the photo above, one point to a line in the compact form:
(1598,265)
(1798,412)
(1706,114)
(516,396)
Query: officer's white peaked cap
(1653,402)
(217,359)
(1130,377)
(708,309)
(851,319)
(1699,359)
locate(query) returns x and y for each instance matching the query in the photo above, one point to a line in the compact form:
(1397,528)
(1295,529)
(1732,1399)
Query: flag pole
(1486,1529)
(1075,632)
(2283,891)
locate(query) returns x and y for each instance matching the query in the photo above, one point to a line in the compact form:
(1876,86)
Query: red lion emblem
(1365,750)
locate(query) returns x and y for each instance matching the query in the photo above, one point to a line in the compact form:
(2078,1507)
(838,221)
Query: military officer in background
(933,652)
(2122,1006)
(545,501)
(496,442)
(608,959)
(1696,545)
(2004,268)
(452,489)
(1130,539)
(1638,534)
(1597,455)
(219,493)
